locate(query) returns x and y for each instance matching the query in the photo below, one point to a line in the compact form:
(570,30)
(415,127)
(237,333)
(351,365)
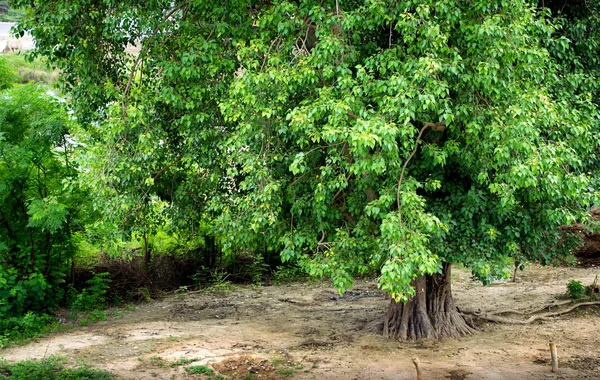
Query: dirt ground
(306,331)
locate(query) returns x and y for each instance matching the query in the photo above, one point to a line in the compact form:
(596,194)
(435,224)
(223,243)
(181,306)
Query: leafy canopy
(350,136)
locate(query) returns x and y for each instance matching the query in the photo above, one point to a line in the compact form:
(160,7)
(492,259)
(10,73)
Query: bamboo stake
(593,287)
(554,357)
(417,364)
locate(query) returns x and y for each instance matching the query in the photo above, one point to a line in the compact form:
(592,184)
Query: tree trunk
(429,314)
(146,254)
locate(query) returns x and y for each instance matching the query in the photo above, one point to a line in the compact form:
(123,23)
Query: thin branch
(438,127)
(405,165)
(268,52)
(168,166)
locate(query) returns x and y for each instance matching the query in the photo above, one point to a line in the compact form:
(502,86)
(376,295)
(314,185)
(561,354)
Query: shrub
(50,369)
(575,289)
(94,296)
(198,370)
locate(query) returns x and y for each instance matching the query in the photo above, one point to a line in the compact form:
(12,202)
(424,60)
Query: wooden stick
(593,287)
(554,357)
(417,364)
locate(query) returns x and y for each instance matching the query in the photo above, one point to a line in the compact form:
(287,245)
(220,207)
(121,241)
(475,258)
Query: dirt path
(306,331)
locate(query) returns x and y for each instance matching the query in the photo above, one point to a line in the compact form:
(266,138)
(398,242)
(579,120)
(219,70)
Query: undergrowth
(51,368)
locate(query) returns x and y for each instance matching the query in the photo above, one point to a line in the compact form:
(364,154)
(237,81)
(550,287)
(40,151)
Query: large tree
(399,136)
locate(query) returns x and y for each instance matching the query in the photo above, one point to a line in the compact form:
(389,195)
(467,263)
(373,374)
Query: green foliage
(12,14)
(575,289)
(183,361)
(94,295)
(40,207)
(158,361)
(288,273)
(7,78)
(198,370)
(52,368)
(22,70)
(25,328)
(356,137)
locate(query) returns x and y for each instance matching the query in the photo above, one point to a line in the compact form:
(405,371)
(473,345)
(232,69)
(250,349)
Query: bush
(51,368)
(575,289)
(94,296)
(25,327)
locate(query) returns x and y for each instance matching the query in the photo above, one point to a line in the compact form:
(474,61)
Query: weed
(575,289)
(258,269)
(157,361)
(145,294)
(285,371)
(222,289)
(97,316)
(183,361)
(198,370)
(287,274)
(50,368)
(94,296)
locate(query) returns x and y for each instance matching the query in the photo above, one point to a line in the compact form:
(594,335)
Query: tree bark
(146,253)
(430,314)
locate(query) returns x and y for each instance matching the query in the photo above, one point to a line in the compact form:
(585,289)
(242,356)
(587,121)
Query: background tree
(370,135)
(40,206)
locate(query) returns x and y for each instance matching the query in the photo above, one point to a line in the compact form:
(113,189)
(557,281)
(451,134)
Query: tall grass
(36,71)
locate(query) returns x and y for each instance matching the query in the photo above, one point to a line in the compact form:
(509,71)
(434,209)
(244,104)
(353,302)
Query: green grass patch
(13,15)
(36,71)
(51,368)
(198,370)
(183,361)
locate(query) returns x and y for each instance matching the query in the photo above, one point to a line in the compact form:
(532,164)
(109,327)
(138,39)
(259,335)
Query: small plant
(183,361)
(575,289)
(94,296)
(285,371)
(288,273)
(258,269)
(97,316)
(198,370)
(157,361)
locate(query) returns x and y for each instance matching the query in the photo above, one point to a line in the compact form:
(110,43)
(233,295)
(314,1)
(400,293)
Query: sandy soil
(306,331)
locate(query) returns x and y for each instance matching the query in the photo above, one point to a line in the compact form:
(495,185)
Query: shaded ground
(589,253)
(306,331)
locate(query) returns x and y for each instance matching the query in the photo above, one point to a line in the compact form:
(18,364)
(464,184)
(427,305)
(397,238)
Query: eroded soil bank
(306,331)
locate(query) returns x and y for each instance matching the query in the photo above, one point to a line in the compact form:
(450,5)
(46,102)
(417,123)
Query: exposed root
(375,327)
(494,317)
